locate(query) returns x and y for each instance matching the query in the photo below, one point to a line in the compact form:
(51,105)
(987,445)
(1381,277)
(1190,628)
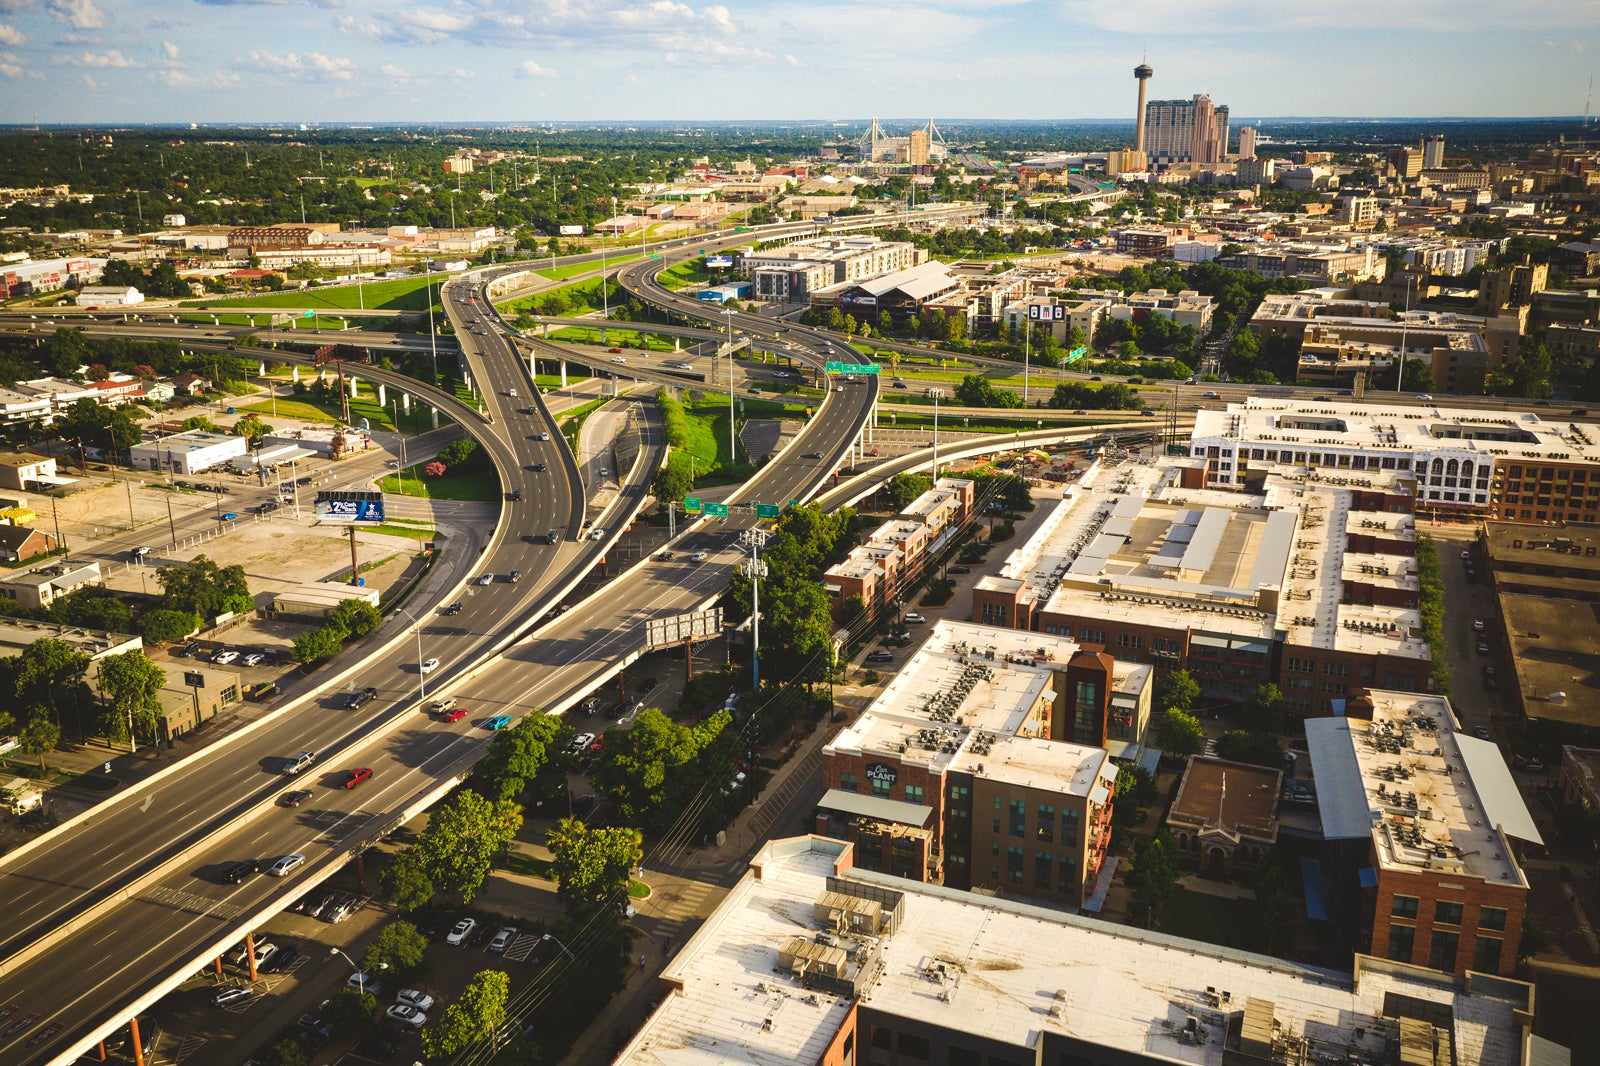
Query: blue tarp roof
(1315,887)
(1341,798)
(1367,877)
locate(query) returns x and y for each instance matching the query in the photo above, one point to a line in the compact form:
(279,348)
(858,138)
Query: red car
(356,776)
(616,351)
(455,714)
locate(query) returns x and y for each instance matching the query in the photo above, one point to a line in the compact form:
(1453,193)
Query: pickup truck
(360,696)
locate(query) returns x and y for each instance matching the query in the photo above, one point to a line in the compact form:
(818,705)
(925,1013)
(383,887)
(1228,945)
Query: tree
(519,755)
(633,772)
(251,427)
(399,948)
(202,587)
(1176,688)
(593,866)
(1153,876)
(406,880)
(48,675)
(348,1012)
(286,1052)
(1263,707)
(1179,732)
(355,617)
(477,1014)
(130,685)
(457,452)
(976,390)
(671,482)
(1275,902)
(39,737)
(903,488)
(464,837)
(93,608)
(1258,749)
(316,644)
(164,627)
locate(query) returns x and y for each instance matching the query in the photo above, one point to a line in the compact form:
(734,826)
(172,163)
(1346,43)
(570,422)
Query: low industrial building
(1307,581)
(317,599)
(1225,815)
(812,961)
(43,585)
(1422,822)
(982,720)
(792,272)
(193,696)
(188,452)
(93,296)
(25,471)
(18,633)
(899,295)
(18,544)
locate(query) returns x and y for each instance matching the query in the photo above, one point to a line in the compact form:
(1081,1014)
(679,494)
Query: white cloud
(359,27)
(530,69)
(1172,17)
(169,50)
(399,76)
(80,14)
(463,73)
(110,58)
(175,79)
(10,66)
(90,82)
(11,36)
(312,66)
(15,5)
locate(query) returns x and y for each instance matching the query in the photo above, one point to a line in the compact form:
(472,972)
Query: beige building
(42,586)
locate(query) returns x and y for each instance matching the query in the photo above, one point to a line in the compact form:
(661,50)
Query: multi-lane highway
(117,906)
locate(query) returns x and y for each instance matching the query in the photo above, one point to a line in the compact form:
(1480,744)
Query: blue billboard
(353,507)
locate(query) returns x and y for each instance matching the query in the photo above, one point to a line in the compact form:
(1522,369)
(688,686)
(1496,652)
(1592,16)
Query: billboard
(1047,312)
(349,506)
(682,628)
(719,262)
(572,231)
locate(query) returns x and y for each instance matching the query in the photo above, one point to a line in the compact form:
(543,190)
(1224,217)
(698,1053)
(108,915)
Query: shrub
(433,469)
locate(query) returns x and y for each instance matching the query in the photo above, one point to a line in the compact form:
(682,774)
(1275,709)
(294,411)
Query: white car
(415,997)
(699,557)
(223,658)
(253,659)
(485,579)
(580,743)
(407,1015)
(286,865)
(363,982)
(459,934)
(619,359)
(914,618)
(598,534)
(428,666)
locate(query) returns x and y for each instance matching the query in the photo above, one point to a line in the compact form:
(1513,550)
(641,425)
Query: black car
(537,468)
(514,576)
(646,685)
(360,696)
(295,798)
(235,872)
(812,455)
(961,569)
(881,657)
(455,608)
(279,960)
(516,494)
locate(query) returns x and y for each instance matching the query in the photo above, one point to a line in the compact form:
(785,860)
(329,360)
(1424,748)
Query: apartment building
(1304,580)
(1434,812)
(986,763)
(811,960)
(893,557)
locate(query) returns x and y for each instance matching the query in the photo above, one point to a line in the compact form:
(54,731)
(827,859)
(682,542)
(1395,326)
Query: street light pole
(733,451)
(937,394)
(433,338)
(422,678)
(560,945)
(361,978)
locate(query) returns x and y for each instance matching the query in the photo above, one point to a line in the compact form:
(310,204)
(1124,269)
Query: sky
(508,61)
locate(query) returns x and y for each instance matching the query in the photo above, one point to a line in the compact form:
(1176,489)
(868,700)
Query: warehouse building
(188,452)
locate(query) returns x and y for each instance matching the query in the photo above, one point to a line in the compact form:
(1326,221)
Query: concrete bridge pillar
(383,395)
(434,414)
(405,402)
(563,373)
(355,391)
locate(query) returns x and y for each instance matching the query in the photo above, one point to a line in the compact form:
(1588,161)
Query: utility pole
(937,395)
(755,570)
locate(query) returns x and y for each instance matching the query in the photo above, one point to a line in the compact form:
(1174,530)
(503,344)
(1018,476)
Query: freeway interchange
(117,907)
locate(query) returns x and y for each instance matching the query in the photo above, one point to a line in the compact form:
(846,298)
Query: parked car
(580,743)
(407,1015)
(1479,625)
(463,929)
(880,656)
(961,569)
(414,997)
(915,618)
(229,997)
(223,658)
(364,982)
(255,658)
(501,941)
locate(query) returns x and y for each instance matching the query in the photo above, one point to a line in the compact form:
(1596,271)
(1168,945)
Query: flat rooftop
(1019,974)
(1342,428)
(18,633)
(1555,650)
(1229,794)
(968,696)
(1435,800)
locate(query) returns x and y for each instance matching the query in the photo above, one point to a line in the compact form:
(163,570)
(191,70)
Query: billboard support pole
(355,568)
(688,662)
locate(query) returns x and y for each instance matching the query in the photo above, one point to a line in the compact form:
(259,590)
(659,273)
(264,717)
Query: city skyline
(219,61)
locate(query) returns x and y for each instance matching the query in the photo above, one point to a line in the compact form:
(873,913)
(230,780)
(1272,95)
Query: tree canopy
(204,588)
(634,771)
(593,866)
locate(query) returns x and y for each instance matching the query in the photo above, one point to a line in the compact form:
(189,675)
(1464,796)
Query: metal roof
(1497,790)
(883,810)
(1341,797)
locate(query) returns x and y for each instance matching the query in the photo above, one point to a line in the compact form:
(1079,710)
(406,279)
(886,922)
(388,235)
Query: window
(1486,954)
(1069,827)
(882,1038)
(848,783)
(1401,940)
(914,1046)
(1068,873)
(1404,907)
(1014,865)
(913,793)
(1447,913)
(1492,918)
(1442,952)
(1045,831)
(960,1056)
(1041,869)
(1019,818)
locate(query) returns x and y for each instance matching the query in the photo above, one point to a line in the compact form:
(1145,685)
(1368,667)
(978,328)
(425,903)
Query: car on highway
(228,516)
(406,1016)
(597,533)
(537,468)
(463,929)
(502,940)
(1479,625)
(619,359)
(354,777)
(498,722)
(699,557)
(359,697)
(454,714)
(295,797)
(515,495)
(811,455)
(514,576)
(1210,396)
(299,762)
(455,608)
(614,351)
(286,865)
(484,579)
(1423,396)
(414,997)
(544,436)
(428,666)
(224,657)
(235,872)
(552,536)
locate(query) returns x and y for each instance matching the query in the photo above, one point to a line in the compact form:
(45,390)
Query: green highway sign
(309,314)
(691,505)
(852,368)
(1077,353)
(794,503)
(717,510)
(766,510)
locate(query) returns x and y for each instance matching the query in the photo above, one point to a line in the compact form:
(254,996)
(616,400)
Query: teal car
(499,722)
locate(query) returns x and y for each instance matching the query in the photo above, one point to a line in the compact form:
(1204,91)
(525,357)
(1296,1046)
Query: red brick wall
(1429,888)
